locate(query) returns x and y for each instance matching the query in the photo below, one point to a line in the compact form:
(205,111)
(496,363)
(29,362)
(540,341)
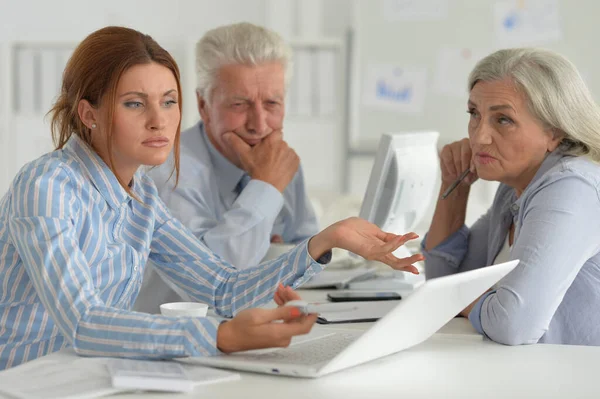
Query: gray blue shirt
(553,295)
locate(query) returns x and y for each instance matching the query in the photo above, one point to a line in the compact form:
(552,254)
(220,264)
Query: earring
(94,126)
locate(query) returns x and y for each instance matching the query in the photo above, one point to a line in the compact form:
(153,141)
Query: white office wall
(68,20)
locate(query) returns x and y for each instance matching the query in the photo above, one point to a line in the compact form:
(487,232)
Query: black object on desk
(356,296)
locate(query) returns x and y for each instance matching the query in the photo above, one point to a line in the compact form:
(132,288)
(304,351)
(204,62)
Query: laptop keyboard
(311,352)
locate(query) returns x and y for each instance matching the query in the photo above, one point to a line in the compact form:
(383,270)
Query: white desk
(445,366)
(454,363)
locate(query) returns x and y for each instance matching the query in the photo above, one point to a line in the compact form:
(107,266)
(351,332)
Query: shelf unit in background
(314,86)
(30,76)
(5,112)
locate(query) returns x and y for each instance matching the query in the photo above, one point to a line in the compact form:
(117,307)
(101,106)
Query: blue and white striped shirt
(73,246)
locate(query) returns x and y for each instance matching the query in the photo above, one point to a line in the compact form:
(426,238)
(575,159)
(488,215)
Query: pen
(456,183)
(329,307)
(319,307)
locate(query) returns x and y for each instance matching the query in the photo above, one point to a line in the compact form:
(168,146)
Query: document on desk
(81,378)
(359,312)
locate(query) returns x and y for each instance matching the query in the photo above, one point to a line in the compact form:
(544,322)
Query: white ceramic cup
(187,309)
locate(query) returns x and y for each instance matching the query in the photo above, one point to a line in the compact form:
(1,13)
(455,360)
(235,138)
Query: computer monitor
(400,189)
(402,182)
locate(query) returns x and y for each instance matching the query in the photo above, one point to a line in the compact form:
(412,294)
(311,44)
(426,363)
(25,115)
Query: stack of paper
(75,377)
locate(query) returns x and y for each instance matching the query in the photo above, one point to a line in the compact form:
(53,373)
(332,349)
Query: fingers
(408,269)
(387,237)
(282,333)
(285,313)
(455,158)
(291,295)
(274,137)
(391,245)
(444,168)
(447,164)
(276,239)
(472,177)
(465,155)
(260,316)
(394,243)
(239,146)
(384,236)
(257,328)
(385,253)
(277,298)
(410,236)
(285,294)
(402,263)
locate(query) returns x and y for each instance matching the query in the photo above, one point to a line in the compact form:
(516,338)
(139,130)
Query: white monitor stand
(400,189)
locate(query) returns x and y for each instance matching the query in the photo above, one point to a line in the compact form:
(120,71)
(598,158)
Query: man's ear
(202,107)
(88,114)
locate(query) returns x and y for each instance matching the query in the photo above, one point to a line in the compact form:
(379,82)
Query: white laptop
(412,321)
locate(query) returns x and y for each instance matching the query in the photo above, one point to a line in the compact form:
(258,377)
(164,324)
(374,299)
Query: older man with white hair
(240,186)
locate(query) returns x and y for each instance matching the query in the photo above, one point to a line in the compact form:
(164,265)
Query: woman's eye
(472,113)
(170,103)
(503,120)
(133,104)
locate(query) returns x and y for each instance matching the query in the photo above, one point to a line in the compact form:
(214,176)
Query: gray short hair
(555,91)
(241,43)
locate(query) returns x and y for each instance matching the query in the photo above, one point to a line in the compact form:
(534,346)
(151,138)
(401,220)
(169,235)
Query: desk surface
(454,363)
(445,366)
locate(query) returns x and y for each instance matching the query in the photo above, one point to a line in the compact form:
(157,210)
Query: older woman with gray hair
(534,128)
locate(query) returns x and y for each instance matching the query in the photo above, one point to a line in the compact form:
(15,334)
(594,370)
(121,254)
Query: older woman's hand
(455,158)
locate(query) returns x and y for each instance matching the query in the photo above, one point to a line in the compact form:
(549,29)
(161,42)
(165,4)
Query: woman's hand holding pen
(458,173)
(259,328)
(456,162)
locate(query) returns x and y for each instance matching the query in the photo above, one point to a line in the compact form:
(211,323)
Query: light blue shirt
(237,226)
(73,247)
(553,295)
